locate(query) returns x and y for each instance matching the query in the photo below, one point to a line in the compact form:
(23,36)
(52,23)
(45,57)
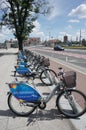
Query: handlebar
(61,71)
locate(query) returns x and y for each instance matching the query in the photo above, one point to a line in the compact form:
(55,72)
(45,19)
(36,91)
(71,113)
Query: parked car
(58,48)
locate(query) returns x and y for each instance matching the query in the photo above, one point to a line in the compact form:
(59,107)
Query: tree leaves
(21,14)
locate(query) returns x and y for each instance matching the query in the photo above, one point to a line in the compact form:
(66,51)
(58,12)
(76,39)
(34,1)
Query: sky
(67,17)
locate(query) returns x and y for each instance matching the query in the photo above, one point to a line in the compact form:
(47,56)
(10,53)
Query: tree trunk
(20,44)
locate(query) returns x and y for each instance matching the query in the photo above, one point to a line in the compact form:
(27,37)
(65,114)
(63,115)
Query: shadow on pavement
(7,113)
(40,114)
(45,115)
(7,53)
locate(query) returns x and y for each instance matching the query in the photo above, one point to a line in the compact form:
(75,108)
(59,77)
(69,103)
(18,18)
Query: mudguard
(22,70)
(24,92)
(21,56)
(22,63)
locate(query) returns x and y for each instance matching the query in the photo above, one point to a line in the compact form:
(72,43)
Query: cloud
(5,34)
(55,9)
(4,4)
(5,30)
(1,35)
(68,27)
(83,33)
(62,34)
(37,26)
(36,31)
(74,21)
(79,12)
(73,36)
(53,13)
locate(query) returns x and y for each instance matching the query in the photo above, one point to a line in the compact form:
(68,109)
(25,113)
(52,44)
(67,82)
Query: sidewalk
(48,119)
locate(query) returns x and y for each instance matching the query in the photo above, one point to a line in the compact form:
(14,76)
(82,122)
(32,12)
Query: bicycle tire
(20,109)
(77,100)
(47,75)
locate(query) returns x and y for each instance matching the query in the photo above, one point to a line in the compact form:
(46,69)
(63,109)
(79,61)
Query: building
(65,38)
(52,42)
(11,43)
(32,41)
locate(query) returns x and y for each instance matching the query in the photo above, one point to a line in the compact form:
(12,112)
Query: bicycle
(42,71)
(23,98)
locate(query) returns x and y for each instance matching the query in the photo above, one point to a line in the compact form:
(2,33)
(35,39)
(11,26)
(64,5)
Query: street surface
(73,56)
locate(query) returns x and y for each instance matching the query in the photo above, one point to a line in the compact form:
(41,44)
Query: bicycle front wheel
(71,103)
(19,107)
(47,75)
(39,69)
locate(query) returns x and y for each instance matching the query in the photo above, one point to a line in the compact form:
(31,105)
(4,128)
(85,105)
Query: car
(58,48)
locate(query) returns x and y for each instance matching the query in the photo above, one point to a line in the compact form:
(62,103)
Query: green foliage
(20,15)
(84,42)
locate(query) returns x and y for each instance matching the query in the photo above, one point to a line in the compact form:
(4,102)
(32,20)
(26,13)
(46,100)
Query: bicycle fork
(72,103)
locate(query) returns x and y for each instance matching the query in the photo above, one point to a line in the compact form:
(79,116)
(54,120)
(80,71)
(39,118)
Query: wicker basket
(46,62)
(69,79)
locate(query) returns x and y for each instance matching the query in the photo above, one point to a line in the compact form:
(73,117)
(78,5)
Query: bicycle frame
(24,91)
(48,98)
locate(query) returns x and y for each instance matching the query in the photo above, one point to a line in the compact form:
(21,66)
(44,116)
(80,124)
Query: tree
(19,16)
(83,42)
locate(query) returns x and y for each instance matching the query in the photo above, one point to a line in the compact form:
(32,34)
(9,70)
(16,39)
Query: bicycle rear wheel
(47,75)
(71,103)
(19,107)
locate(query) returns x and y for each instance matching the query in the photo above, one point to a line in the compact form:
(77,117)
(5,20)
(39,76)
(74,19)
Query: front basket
(46,62)
(69,79)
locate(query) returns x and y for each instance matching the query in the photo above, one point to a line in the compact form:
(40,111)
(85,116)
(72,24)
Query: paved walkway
(48,119)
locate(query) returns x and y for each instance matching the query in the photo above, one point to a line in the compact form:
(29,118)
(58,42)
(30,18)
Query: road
(74,57)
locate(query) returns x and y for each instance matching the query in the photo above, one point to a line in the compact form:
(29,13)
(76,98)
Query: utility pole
(49,35)
(80,38)
(77,38)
